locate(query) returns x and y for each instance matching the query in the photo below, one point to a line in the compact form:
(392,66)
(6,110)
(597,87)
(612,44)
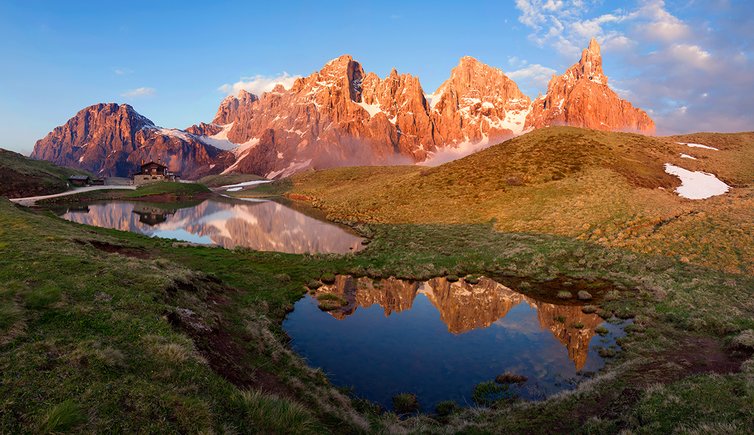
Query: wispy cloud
(532,77)
(139,92)
(122,71)
(685,74)
(258,84)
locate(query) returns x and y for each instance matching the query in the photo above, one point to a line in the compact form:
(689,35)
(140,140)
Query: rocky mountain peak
(590,65)
(581,98)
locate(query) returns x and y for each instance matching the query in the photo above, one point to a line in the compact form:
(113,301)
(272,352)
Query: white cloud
(258,84)
(122,71)
(534,76)
(139,92)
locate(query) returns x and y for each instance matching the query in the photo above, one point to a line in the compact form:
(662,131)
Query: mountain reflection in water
(263,226)
(438,338)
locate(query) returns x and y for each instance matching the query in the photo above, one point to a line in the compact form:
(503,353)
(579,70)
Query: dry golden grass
(610,188)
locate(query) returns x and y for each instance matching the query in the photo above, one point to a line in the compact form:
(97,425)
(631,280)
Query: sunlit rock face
(113,140)
(263,226)
(342,115)
(582,98)
(464,307)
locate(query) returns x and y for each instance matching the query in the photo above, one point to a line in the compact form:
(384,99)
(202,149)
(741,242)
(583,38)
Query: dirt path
(31,200)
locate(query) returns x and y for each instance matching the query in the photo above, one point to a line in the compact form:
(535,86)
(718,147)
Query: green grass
(103,333)
(23,176)
(170,191)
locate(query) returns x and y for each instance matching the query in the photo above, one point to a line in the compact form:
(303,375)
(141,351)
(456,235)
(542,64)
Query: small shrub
(564,294)
(452,278)
(472,279)
(446,407)
(405,403)
(328,278)
(62,417)
(487,393)
(283,277)
(584,295)
(606,352)
(601,330)
(559,319)
(578,325)
(314,284)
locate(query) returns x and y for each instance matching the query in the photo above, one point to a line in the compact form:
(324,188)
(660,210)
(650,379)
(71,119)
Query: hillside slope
(610,188)
(22,176)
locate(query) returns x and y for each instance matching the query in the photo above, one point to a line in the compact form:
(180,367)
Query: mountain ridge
(342,115)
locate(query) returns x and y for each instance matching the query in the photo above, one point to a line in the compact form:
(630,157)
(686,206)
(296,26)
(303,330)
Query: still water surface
(260,225)
(439,339)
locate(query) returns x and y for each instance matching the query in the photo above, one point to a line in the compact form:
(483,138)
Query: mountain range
(343,116)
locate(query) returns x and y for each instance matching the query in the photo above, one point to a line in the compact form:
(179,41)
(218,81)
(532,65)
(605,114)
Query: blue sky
(689,63)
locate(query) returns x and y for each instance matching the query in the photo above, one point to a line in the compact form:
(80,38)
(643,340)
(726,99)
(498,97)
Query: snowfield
(698,145)
(696,184)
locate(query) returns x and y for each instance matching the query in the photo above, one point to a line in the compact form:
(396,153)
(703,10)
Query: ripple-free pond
(259,225)
(439,339)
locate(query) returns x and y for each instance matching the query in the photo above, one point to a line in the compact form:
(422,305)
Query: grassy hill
(610,188)
(22,176)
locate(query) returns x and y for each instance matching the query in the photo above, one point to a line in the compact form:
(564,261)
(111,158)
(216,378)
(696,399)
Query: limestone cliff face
(582,98)
(478,102)
(113,140)
(344,116)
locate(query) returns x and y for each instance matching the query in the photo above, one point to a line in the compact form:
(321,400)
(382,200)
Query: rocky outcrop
(582,98)
(113,140)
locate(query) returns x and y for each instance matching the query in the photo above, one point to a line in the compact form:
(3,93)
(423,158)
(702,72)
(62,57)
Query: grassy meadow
(109,331)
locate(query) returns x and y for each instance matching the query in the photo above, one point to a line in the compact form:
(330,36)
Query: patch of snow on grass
(698,145)
(234,189)
(686,156)
(238,186)
(696,184)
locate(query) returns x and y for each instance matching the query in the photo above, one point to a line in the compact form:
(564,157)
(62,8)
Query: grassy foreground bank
(102,330)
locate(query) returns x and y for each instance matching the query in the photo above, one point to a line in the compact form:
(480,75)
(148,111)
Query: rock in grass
(563,294)
(314,284)
(405,403)
(329,301)
(584,295)
(588,309)
(744,340)
(510,378)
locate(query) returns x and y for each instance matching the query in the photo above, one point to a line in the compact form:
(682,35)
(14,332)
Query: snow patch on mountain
(220,140)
